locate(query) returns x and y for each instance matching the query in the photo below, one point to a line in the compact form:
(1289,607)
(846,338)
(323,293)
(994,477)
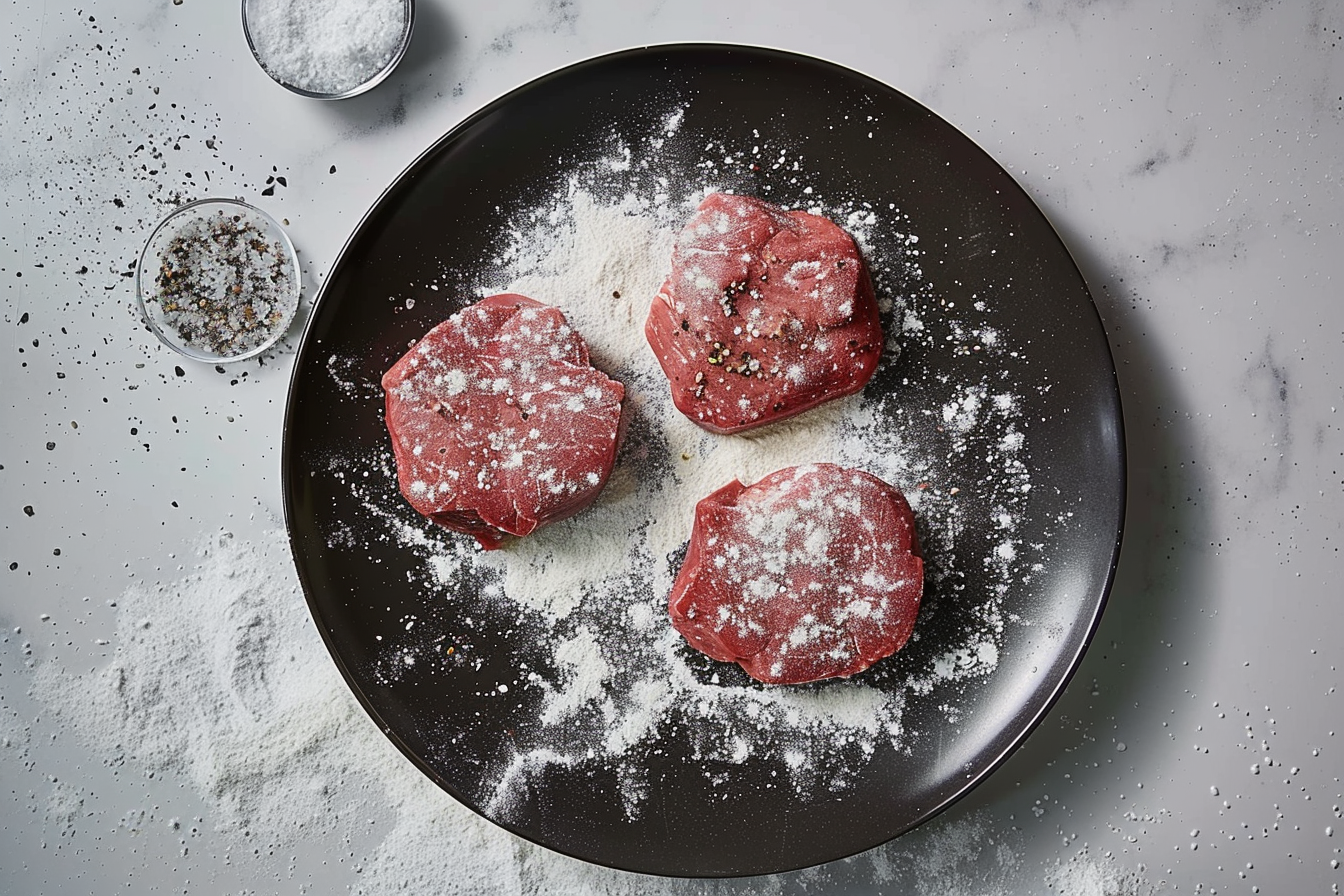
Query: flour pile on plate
(595,586)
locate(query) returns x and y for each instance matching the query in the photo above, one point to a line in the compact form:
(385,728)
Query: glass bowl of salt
(218,280)
(328,49)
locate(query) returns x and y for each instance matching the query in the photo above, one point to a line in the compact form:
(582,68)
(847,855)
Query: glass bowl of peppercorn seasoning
(218,280)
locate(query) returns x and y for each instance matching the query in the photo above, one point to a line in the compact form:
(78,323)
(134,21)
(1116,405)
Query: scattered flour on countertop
(1081,875)
(219,679)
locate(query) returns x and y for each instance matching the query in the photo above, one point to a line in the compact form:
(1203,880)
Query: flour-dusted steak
(499,424)
(813,572)
(767,313)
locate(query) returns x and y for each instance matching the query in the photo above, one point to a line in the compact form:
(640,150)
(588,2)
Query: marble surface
(1187,153)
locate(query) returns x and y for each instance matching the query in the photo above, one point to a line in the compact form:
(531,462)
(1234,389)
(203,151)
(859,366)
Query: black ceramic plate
(1000,304)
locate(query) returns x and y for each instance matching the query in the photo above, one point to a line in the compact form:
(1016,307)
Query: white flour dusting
(594,587)
(216,678)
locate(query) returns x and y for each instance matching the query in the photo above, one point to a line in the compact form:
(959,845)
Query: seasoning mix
(219,280)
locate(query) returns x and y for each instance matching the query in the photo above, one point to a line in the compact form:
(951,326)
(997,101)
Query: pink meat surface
(767,313)
(499,424)
(813,572)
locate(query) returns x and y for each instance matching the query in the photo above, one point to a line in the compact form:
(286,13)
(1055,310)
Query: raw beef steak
(767,313)
(813,572)
(499,424)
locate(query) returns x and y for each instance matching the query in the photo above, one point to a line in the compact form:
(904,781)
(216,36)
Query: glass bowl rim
(141,283)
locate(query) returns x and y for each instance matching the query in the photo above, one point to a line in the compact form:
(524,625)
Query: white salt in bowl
(328,49)
(218,280)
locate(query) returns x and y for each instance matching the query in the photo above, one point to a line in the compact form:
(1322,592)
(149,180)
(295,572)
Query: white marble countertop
(1187,153)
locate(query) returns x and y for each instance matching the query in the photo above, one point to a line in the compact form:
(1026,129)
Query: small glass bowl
(218,280)
(367,84)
